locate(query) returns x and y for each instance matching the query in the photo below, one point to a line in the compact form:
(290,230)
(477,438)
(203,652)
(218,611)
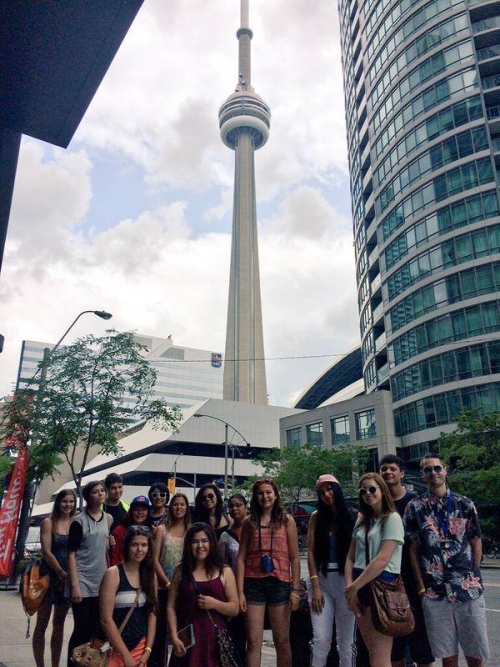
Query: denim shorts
(364,592)
(266,590)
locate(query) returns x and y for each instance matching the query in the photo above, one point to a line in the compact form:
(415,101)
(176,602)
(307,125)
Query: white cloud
(164,268)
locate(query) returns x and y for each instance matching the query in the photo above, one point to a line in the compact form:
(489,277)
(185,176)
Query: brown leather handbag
(389,604)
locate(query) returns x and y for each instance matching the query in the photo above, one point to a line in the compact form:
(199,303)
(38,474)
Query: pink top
(280,553)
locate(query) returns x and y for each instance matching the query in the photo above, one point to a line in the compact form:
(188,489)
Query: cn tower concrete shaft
(244,121)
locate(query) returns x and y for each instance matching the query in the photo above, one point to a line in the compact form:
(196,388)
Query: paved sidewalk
(15,649)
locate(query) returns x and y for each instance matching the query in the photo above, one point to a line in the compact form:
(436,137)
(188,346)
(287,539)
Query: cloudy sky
(135,216)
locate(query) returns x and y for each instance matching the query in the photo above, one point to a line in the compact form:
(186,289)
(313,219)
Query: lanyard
(260,541)
(445,525)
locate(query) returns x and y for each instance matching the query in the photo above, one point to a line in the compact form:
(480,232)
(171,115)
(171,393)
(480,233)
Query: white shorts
(452,623)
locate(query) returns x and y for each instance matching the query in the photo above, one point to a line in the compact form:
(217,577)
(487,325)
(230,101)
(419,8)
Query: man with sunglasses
(114,505)
(445,552)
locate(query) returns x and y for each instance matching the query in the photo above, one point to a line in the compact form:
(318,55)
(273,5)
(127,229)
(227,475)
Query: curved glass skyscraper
(422,93)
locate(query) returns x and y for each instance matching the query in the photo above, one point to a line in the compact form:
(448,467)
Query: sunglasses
(158,495)
(140,530)
(428,470)
(368,489)
(208,496)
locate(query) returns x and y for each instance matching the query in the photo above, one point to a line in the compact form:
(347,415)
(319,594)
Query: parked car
(32,545)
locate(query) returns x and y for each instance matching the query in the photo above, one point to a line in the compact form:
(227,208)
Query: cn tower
(244,121)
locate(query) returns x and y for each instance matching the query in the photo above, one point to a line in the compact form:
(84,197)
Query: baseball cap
(325,479)
(140,500)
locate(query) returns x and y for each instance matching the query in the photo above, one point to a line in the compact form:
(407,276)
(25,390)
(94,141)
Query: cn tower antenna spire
(244,121)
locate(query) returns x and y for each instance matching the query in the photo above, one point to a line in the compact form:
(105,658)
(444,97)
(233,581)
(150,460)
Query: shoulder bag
(390,607)
(97,653)
(228,654)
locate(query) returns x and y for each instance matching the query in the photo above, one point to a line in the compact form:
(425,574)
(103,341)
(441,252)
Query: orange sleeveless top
(280,553)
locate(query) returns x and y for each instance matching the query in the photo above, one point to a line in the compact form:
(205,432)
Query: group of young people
(210,569)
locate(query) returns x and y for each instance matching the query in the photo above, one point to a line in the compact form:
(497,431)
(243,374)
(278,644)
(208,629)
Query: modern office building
(244,121)
(422,95)
(185,375)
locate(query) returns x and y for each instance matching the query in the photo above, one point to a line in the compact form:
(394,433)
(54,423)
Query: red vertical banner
(9,512)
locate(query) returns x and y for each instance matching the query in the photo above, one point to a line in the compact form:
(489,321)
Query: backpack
(33,589)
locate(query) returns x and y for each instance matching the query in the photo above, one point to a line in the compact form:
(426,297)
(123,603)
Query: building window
(293,438)
(340,430)
(365,425)
(314,434)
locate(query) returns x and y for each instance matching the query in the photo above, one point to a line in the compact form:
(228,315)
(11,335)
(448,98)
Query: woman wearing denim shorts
(268,561)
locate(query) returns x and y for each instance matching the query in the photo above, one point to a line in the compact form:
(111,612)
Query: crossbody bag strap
(197,590)
(367,550)
(129,614)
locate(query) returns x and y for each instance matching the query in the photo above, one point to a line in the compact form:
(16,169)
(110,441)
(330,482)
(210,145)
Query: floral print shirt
(443,528)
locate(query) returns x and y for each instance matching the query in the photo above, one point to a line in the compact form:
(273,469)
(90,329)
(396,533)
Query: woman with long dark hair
(54,539)
(380,526)
(130,582)
(201,583)
(168,545)
(328,541)
(87,552)
(209,508)
(268,561)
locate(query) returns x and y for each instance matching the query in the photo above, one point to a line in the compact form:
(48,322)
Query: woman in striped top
(119,588)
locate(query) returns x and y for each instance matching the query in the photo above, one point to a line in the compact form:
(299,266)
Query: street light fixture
(226,445)
(28,495)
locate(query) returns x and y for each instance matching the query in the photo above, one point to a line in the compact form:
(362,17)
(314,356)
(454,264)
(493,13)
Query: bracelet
(421,591)
(169,583)
(148,648)
(315,576)
(295,595)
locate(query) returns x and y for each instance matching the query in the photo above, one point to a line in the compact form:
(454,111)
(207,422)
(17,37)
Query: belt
(332,569)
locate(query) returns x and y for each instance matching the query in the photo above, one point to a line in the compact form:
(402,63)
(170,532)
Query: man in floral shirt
(445,551)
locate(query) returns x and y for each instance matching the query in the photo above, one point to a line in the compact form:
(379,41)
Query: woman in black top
(118,592)
(209,508)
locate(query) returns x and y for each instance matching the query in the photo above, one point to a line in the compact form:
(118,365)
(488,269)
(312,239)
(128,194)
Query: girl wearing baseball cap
(328,540)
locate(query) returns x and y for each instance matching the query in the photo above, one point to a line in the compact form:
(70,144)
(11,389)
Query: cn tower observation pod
(244,109)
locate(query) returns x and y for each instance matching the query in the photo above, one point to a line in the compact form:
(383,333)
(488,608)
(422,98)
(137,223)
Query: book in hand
(186,635)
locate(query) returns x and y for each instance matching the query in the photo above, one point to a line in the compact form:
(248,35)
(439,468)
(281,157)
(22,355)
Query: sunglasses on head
(208,496)
(428,470)
(159,494)
(140,530)
(368,489)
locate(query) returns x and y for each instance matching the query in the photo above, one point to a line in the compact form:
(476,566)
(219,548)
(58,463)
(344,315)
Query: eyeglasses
(368,489)
(208,496)
(139,530)
(158,495)
(234,506)
(428,470)
(325,489)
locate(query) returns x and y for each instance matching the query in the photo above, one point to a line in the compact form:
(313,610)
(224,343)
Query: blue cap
(140,500)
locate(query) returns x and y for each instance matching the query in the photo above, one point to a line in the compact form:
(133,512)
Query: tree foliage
(94,390)
(472,452)
(296,469)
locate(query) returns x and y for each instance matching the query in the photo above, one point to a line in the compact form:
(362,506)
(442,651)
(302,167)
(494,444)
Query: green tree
(295,469)
(472,452)
(94,390)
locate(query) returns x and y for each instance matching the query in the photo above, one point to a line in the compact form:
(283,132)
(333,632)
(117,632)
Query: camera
(267,564)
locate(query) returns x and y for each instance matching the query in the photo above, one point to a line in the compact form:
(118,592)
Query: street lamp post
(29,490)
(226,445)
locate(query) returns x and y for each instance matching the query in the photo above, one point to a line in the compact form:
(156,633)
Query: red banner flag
(9,512)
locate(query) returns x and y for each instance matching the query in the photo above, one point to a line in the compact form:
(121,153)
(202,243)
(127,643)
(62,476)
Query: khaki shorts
(452,623)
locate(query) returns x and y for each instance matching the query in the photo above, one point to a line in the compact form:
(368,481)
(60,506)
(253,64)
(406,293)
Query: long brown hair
(366,511)
(146,567)
(278,515)
(56,514)
(213,563)
(170,518)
